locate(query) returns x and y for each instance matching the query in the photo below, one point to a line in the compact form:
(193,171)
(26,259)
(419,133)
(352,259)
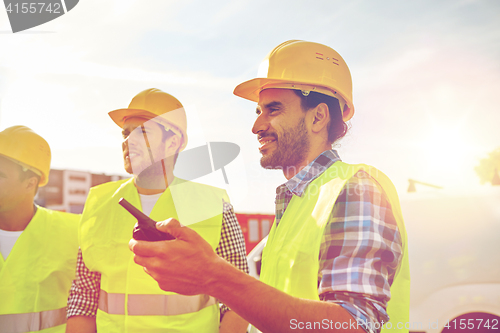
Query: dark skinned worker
(38,245)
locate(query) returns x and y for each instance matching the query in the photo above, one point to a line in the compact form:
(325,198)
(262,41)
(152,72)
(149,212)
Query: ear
(173,144)
(321,118)
(31,184)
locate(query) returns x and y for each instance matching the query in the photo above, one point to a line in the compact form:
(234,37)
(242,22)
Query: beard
(153,177)
(292,148)
(148,167)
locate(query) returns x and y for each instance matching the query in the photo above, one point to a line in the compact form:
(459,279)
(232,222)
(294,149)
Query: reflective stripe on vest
(32,322)
(153,305)
(105,231)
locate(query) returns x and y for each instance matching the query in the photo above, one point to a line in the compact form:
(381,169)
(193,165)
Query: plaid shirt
(84,294)
(361,246)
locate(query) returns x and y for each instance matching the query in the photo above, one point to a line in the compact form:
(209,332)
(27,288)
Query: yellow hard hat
(305,66)
(159,106)
(23,146)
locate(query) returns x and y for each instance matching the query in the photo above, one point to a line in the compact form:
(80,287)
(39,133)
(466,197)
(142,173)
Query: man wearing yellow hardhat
(336,257)
(111,292)
(38,246)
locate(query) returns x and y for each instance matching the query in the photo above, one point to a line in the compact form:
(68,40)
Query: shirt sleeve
(360,252)
(232,244)
(83,298)
(84,294)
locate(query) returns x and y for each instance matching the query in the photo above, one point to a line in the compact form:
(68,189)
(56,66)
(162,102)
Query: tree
(489,168)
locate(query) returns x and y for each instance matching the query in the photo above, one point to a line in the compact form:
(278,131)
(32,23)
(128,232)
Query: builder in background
(111,291)
(336,256)
(38,246)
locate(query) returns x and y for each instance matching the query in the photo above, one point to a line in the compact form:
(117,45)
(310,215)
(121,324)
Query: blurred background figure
(38,246)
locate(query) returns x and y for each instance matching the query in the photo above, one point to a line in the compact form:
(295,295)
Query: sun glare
(447,152)
(445,146)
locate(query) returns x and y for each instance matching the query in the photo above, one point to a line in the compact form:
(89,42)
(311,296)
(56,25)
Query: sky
(426,78)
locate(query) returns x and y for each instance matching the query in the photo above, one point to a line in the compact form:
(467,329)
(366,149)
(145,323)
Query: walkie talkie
(145,228)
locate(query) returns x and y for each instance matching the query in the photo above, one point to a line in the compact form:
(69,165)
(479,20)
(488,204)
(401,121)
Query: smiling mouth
(131,155)
(265,142)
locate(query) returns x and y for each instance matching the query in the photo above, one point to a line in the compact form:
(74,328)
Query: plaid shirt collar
(298,183)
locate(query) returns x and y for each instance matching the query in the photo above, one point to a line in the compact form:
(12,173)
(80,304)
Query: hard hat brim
(23,146)
(119,116)
(251,89)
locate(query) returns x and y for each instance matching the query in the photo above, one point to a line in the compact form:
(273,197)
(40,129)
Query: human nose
(134,138)
(261,124)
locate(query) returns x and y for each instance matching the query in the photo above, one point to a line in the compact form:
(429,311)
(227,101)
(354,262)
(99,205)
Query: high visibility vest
(290,260)
(130,300)
(36,277)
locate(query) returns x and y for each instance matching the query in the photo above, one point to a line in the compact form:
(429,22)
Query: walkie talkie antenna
(145,229)
(140,216)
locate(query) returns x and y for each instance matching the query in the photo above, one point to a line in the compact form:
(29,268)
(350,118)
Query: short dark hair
(337,128)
